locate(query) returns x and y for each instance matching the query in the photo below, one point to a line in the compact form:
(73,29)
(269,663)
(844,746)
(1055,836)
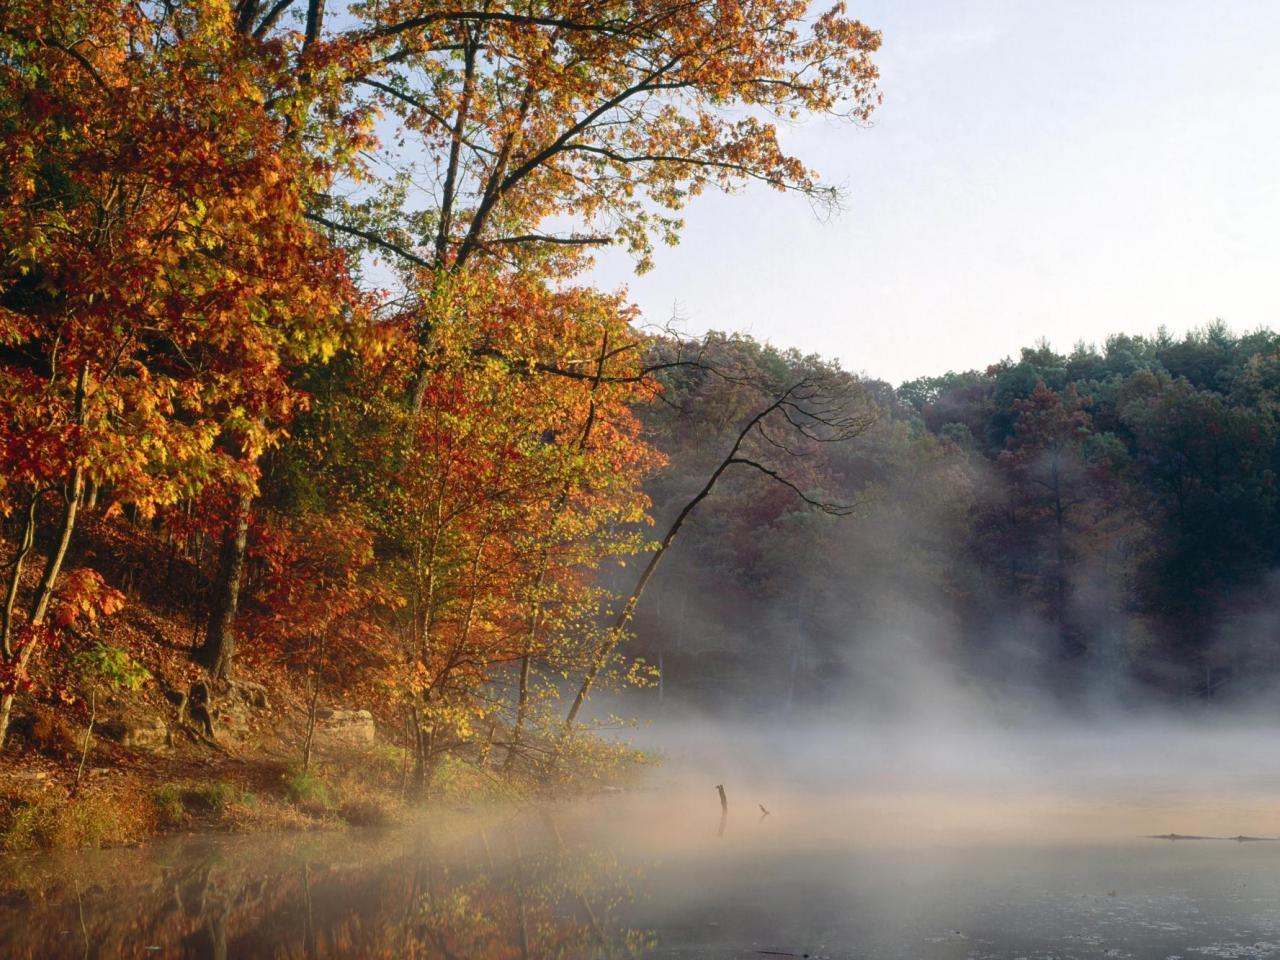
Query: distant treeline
(1102,524)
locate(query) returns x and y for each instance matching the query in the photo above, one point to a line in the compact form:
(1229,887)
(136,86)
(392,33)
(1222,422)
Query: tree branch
(484,16)
(834,509)
(271,18)
(582,241)
(373,238)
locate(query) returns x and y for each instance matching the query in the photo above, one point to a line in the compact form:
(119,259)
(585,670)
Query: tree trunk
(614,636)
(15,576)
(315,21)
(421,749)
(423,623)
(73,496)
(312,707)
(44,591)
(526,661)
(53,565)
(217,653)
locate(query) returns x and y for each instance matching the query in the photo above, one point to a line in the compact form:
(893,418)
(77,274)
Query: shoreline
(128,798)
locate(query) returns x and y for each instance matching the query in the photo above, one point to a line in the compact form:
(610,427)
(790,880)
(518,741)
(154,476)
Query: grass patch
(214,797)
(347,789)
(61,822)
(367,812)
(176,804)
(170,810)
(308,791)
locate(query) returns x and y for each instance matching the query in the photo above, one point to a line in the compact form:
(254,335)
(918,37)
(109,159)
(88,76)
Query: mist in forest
(1051,612)
(905,729)
(904,734)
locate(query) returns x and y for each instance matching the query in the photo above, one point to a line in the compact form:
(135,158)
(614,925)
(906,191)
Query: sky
(1037,169)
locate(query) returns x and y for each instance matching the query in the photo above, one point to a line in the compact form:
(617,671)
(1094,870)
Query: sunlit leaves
(602,121)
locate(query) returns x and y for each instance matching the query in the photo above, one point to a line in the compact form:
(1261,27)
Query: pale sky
(1037,169)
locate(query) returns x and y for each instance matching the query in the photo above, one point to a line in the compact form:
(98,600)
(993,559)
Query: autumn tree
(611,116)
(609,119)
(158,276)
(493,504)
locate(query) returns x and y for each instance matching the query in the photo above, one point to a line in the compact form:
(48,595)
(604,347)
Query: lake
(997,865)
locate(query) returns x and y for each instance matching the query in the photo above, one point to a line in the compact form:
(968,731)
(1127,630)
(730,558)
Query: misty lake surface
(1001,865)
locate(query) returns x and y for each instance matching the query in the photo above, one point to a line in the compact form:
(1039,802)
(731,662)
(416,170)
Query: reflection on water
(648,875)
(488,888)
(928,849)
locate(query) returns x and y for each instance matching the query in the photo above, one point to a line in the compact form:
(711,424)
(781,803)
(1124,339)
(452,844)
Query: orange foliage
(156,245)
(169,309)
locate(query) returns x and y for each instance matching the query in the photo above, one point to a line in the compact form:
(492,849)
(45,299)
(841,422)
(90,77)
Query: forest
(1099,526)
(307,399)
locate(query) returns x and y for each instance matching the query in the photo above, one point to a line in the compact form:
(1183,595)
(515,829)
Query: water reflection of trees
(514,891)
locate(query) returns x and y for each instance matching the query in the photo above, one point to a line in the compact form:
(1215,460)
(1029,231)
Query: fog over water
(930,781)
(915,749)
(921,815)
(918,838)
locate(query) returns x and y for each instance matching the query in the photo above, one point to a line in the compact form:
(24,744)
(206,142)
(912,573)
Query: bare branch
(581,241)
(538,366)
(369,237)
(834,509)
(271,18)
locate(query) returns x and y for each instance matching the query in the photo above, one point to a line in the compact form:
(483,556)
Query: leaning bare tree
(822,406)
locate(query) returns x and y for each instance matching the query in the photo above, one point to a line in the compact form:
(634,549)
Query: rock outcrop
(139,731)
